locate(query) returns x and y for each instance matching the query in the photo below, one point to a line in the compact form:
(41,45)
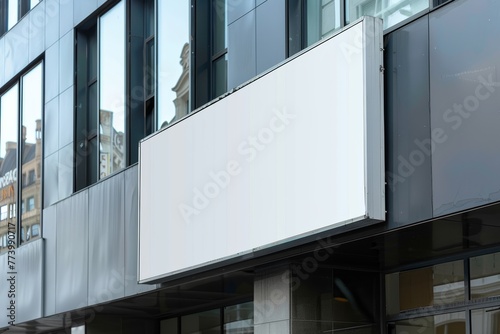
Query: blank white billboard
(295,152)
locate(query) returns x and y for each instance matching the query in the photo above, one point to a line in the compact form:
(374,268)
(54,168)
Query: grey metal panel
(465,101)
(238,8)
(66,17)
(51,72)
(241,50)
(49,235)
(407,123)
(29,261)
(106,240)
(82,9)
(271,34)
(131,233)
(37,31)
(51,180)
(16,49)
(66,171)
(66,51)
(66,112)
(51,127)
(51,22)
(72,253)
(4,291)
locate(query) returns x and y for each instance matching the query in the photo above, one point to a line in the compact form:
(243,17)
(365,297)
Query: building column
(272,301)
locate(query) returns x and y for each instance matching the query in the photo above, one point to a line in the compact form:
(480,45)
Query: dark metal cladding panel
(235,8)
(407,124)
(465,105)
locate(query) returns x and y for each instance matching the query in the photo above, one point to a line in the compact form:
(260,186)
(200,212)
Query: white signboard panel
(293,153)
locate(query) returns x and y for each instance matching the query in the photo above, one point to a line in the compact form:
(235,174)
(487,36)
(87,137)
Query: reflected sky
(9,106)
(32,101)
(112,64)
(173,33)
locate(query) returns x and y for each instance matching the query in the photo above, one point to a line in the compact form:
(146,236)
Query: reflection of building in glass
(112,154)
(31,183)
(182,86)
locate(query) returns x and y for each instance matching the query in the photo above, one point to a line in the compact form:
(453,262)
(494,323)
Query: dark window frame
(203,64)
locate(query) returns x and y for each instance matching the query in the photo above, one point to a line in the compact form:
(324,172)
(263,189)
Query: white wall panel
(286,156)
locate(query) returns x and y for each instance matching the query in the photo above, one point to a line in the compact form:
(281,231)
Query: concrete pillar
(272,302)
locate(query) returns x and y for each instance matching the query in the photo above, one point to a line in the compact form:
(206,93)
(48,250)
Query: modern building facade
(249,166)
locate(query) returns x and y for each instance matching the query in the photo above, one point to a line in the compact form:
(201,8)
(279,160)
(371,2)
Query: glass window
(173,62)
(13,14)
(438,285)
(31,203)
(31,149)
(311,20)
(238,319)
(438,324)
(112,91)
(9,111)
(210,45)
(207,322)
(485,276)
(12,210)
(3,212)
(391,11)
(329,300)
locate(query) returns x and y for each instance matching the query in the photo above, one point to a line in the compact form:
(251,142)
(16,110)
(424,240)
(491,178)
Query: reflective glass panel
(150,68)
(173,61)
(9,110)
(330,300)
(438,285)
(219,26)
(220,75)
(486,321)
(485,276)
(31,153)
(391,11)
(13,13)
(322,18)
(207,322)
(438,324)
(112,91)
(238,319)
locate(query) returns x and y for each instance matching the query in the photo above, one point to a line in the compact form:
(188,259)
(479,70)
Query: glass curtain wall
(21,159)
